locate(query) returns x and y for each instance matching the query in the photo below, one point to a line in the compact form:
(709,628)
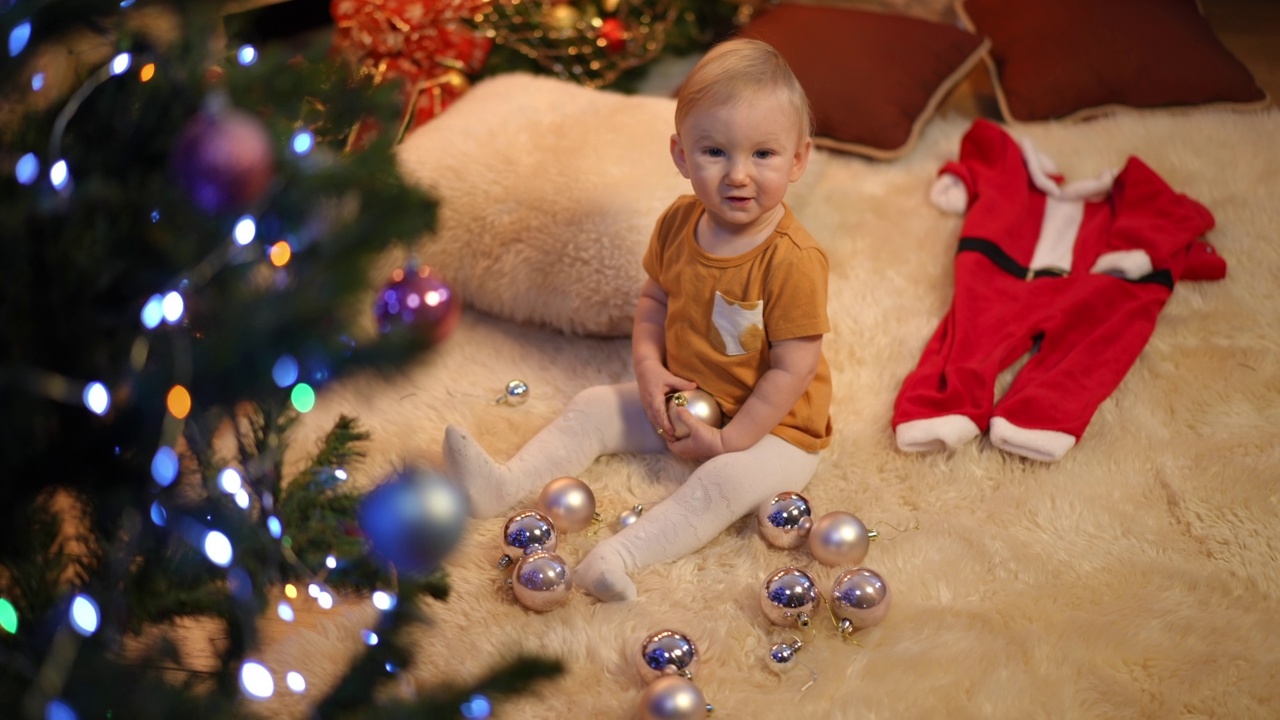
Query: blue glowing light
(96,398)
(285,611)
(85,615)
(285,371)
(120,63)
(126,3)
(229,480)
(256,680)
(155,216)
(59,175)
(302,141)
(172,306)
(37,82)
(164,466)
(27,169)
(58,710)
(370,637)
(383,600)
(18,37)
(159,515)
(218,548)
(153,312)
(476,707)
(245,230)
(247,55)
(273,527)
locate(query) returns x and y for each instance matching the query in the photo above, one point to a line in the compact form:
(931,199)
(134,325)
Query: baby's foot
(602,574)
(488,484)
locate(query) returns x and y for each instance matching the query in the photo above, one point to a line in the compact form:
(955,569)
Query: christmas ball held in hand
(698,402)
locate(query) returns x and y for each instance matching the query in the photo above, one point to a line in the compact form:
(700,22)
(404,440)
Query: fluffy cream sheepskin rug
(1138,577)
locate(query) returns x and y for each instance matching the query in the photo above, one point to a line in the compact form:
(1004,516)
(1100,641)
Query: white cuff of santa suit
(945,432)
(1042,445)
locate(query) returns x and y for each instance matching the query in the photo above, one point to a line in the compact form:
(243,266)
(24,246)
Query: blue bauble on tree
(413,520)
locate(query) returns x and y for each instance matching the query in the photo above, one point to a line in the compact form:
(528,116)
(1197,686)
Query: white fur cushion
(549,192)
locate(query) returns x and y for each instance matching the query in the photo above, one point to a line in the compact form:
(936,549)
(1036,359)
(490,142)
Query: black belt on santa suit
(1002,260)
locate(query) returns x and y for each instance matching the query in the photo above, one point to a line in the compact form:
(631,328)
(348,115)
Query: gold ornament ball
(839,538)
(672,697)
(699,402)
(562,17)
(569,503)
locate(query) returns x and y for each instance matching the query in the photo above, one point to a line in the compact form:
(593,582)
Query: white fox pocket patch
(740,325)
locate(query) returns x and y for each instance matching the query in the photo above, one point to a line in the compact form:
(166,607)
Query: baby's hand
(656,382)
(703,441)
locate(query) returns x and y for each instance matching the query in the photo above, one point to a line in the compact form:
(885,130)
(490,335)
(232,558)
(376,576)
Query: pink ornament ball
(418,298)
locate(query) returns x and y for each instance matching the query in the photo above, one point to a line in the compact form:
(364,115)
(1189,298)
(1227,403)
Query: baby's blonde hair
(739,69)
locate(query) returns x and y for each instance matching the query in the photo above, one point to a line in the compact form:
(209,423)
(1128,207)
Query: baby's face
(740,158)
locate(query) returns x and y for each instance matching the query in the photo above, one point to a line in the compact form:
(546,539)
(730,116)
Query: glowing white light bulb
(324,600)
(229,480)
(247,55)
(59,175)
(85,615)
(120,63)
(295,681)
(96,398)
(246,229)
(242,499)
(172,306)
(274,527)
(218,548)
(370,637)
(285,611)
(383,600)
(331,562)
(256,680)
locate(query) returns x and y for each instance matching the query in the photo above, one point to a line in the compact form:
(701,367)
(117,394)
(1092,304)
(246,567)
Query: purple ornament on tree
(224,159)
(417,297)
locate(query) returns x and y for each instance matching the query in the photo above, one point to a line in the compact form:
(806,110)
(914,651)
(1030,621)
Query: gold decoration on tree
(575,40)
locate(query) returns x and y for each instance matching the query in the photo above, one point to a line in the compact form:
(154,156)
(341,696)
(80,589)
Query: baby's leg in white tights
(718,493)
(601,420)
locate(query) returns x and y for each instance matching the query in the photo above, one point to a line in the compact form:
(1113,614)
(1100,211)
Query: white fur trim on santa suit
(937,433)
(1131,264)
(1042,445)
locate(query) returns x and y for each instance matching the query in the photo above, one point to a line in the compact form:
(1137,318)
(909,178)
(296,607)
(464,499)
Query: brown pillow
(873,79)
(1074,59)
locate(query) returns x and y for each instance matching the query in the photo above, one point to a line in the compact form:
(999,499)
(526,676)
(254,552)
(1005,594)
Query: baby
(735,304)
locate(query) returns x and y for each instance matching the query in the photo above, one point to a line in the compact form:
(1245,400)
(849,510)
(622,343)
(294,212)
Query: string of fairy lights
(167,307)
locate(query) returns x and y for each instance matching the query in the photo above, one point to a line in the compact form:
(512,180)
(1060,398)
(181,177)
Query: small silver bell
(516,393)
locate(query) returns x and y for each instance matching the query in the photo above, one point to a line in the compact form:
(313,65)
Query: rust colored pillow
(1074,59)
(873,79)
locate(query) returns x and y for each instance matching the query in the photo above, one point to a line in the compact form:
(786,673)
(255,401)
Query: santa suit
(1082,270)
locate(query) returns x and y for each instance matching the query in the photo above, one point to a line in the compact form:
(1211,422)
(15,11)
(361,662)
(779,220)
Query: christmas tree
(186,254)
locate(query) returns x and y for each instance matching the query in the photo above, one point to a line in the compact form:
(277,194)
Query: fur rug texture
(1138,577)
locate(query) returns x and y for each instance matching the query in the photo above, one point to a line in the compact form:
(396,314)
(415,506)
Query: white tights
(606,420)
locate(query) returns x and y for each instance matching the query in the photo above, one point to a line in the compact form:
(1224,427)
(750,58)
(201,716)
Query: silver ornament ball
(782,658)
(861,597)
(839,538)
(541,581)
(529,530)
(627,517)
(786,520)
(569,503)
(789,597)
(666,652)
(672,697)
(699,402)
(516,393)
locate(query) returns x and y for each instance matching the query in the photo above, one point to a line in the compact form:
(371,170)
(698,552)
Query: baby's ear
(678,156)
(801,159)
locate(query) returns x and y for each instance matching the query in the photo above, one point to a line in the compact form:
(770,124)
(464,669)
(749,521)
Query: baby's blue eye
(764,154)
(715,152)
